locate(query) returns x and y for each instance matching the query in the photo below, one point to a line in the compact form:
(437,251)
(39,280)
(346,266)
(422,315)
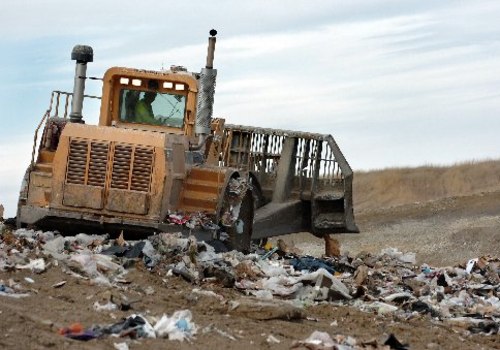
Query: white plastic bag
(177,327)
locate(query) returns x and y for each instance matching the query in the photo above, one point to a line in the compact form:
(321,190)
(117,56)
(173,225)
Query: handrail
(57,95)
(45,116)
(71,94)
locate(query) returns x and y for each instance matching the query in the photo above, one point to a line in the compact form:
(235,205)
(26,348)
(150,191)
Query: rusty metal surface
(126,201)
(202,190)
(83,196)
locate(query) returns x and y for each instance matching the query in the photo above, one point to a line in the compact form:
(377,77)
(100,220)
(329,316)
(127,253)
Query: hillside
(397,186)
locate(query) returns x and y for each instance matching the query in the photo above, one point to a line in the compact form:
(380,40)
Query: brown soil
(441,232)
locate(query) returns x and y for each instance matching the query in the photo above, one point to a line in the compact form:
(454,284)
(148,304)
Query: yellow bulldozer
(159,162)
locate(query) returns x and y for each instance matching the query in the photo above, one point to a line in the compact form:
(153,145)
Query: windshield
(154,108)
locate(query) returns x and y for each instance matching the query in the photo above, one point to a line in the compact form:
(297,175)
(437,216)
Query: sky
(397,83)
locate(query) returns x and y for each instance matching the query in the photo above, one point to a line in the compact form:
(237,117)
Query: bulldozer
(158,161)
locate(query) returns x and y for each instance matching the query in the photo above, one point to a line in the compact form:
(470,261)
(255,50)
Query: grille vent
(77,162)
(132,167)
(131,170)
(97,164)
(121,167)
(143,166)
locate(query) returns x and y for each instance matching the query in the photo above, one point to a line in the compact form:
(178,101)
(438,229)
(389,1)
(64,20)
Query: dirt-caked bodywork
(158,160)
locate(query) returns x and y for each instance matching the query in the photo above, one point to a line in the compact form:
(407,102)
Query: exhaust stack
(206,93)
(82,54)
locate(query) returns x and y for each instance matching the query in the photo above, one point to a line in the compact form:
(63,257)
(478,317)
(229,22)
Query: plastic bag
(177,327)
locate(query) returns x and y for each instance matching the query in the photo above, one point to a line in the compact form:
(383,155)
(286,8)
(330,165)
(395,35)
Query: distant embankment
(397,186)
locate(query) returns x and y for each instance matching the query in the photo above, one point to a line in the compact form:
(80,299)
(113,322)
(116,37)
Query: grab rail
(55,95)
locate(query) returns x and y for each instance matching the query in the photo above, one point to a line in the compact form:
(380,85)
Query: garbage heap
(465,296)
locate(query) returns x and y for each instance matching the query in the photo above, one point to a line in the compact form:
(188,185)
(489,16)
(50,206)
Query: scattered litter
(121,346)
(379,307)
(134,326)
(7,291)
(265,310)
(207,293)
(149,290)
(211,328)
(36,266)
(465,297)
(317,340)
(395,344)
(59,284)
(470,265)
(272,339)
(311,264)
(408,258)
(109,306)
(98,267)
(323,341)
(263,294)
(177,327)
(76,331)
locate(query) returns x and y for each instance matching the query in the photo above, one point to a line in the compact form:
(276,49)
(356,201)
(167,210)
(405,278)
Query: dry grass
(398,186)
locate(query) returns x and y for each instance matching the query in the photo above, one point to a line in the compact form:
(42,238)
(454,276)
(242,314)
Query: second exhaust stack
(206,90)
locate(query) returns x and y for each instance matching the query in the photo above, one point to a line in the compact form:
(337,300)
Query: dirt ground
(443,232)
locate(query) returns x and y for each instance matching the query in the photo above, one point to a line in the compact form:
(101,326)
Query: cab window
(152,107)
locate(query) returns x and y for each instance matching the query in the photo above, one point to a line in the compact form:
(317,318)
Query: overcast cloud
(397,83)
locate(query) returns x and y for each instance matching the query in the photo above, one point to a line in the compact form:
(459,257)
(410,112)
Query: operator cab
(146,100)
(167,108)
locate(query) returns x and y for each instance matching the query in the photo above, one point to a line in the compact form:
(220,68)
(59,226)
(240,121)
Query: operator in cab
(144,110)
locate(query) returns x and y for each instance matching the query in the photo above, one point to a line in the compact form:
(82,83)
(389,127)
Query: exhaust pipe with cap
(82,54)
(206,93)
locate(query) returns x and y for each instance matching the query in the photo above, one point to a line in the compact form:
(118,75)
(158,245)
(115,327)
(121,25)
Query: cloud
(396,83)
(15,153)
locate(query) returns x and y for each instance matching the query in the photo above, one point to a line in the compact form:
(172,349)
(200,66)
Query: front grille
(88,164)
(132,167)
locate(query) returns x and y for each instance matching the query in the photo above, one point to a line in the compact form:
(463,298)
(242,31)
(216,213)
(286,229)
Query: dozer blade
(275,219)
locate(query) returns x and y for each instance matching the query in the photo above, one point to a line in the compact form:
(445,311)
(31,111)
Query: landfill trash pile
(323,341)
(465,296)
